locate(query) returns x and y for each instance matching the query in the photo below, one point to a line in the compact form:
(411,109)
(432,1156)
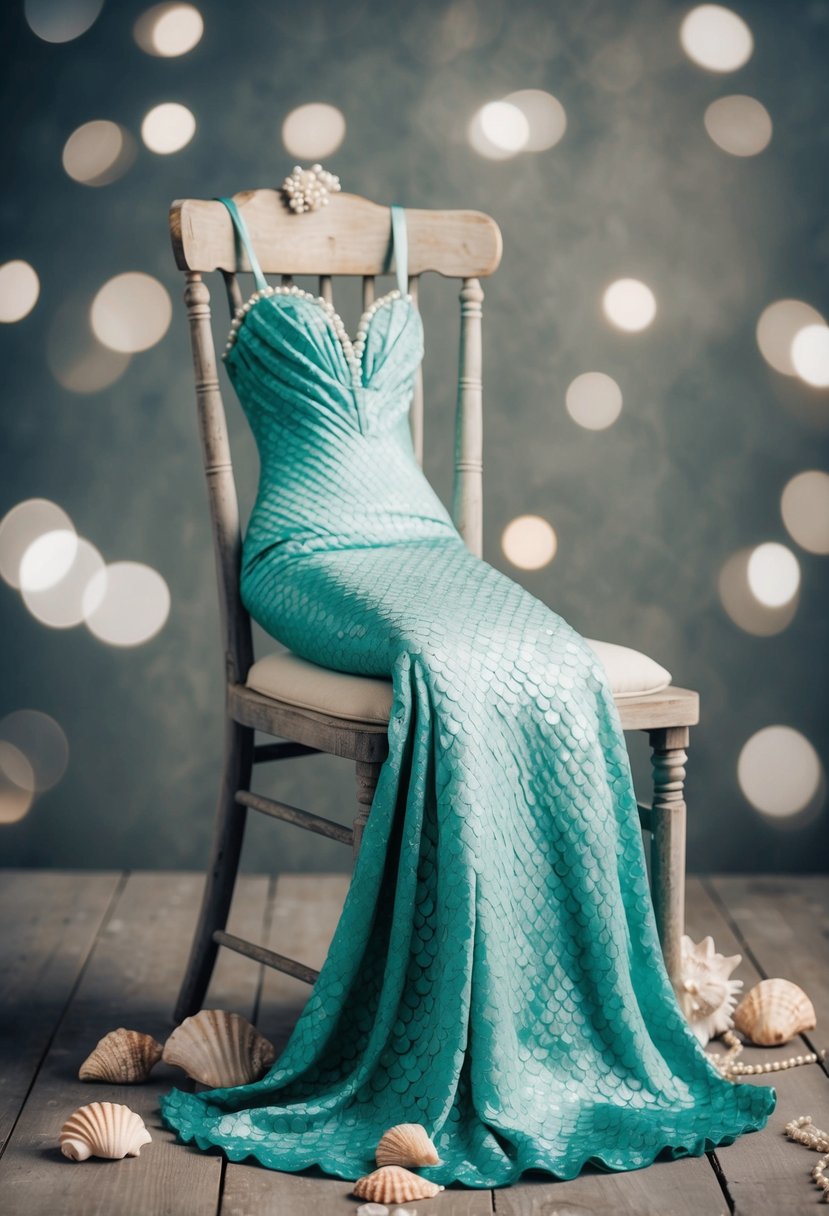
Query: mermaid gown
(496,973)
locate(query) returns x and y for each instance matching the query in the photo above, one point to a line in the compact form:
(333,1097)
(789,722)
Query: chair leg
(224,862)
(668,746)
(368,772)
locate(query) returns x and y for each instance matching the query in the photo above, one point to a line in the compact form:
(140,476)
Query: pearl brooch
(309,189)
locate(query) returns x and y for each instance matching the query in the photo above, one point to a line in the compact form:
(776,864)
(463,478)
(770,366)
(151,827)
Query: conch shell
(774,1011)
(406,1144)
(103,1129)
(394,1184)
(219,1049)
(122,1056)
(705,993)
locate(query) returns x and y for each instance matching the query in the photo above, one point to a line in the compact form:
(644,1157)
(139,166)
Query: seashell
(705,993)
(122,1056)
(774,1011)
(394,1184)
(406,1144)
(373,1209)
(103,1129)
(219,1049)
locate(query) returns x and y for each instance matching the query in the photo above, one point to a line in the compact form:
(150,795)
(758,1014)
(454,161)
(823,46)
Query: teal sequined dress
(496,973)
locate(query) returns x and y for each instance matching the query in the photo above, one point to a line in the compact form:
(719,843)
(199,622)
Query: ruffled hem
(720,1135)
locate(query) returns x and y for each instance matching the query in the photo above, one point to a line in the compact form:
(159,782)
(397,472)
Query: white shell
(103,1129)
(394,1184)
(372,1209)
(406,1144)
(122,1056)
(774,1011)
(705,993)
(219,1049)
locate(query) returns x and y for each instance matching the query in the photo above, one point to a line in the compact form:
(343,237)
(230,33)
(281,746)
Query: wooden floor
(83,953)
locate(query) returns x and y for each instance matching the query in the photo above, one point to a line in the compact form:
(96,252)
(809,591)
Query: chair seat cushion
(286,676)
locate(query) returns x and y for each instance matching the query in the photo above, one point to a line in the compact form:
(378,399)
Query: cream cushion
(285,676)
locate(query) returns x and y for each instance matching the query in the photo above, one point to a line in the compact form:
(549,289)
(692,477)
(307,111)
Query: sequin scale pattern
(496,972)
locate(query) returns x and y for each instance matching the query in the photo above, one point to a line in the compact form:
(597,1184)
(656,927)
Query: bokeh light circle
(168,128)
(16,784)
(47,559)
(61,20)
(740,125)
(19,290)
(499,130)
(779,771)
(65,603)
(810,355)
(77,360)
(21,526)
(804,505)
(773,574)
(169,30)
(529,542)
(313,131)
(131,312)
(777,328)
(126,603)
(41,740)
(714,37)
(629,304)
(545,115)
(98,153)
(594,400)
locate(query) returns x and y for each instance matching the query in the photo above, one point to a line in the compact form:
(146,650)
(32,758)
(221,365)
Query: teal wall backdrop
(655,515)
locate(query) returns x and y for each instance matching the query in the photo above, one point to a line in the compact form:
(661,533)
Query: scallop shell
(122,1056)
(394,1184)
(406,1144)
(774,1011)
(705,993)
(219,1049)
(103,1129)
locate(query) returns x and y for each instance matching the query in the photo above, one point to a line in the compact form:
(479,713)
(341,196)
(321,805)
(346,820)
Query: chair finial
(309,189)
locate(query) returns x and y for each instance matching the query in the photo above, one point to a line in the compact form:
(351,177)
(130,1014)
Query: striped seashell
(394,1184)
(774,1011)
(103,1129)
(219,1049)
(122,1056)
(406,1144)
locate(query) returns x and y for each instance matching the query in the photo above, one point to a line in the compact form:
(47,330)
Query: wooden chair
(310,709)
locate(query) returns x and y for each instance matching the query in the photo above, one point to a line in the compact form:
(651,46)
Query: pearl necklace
(730,1067)
(353,351)
(803,1130)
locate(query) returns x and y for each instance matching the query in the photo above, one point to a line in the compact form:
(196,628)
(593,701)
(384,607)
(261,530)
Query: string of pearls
(353,351)
(804,1132)
(731,1067)
(308,189)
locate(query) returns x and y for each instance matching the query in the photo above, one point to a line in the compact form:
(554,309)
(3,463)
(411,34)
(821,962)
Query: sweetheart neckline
(352,348)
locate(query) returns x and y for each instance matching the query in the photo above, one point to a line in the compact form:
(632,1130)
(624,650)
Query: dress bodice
(330,414)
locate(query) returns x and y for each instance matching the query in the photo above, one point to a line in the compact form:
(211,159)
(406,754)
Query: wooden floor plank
(766,1173)
(50,922)
(131,978)
(784,922)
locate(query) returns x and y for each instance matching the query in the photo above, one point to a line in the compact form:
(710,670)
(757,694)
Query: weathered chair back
(351,236)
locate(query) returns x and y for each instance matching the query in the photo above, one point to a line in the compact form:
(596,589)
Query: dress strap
(244,235)
(401,246)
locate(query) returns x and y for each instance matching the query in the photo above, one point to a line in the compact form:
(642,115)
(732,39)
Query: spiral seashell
(103,1129)
(219,1049)
(394,1184)
(705,993)
(774,1011)
(122,1056)
(406,1144)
